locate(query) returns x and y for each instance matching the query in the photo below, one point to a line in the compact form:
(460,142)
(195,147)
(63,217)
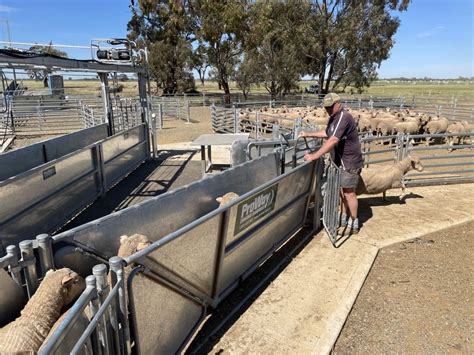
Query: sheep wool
(26,334)
(379,179)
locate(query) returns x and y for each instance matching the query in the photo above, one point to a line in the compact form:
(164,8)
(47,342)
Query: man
(343,144)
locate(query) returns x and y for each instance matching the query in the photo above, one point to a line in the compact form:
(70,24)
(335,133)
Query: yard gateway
(255,207)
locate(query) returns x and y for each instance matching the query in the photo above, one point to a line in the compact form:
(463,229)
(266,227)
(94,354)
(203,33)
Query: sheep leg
(402,196)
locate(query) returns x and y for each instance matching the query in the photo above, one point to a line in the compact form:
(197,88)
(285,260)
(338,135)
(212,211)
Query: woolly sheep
(128,246)
(378,179)
(57,290)
(225,199)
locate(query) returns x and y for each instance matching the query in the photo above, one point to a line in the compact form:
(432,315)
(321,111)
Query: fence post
(188,112)
(118,276)
(203,99)
(29,260)
(105,333)
(235,119)
(45,250)
(257,120)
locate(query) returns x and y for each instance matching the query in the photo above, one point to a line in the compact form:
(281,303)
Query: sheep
(406,127)
(57,290)
(128,246)
(436,126)
(375,180)
(227,198)
(455,128)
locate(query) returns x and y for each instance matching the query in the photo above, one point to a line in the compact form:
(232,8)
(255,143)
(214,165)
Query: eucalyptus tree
(221,26)
(347,40)
(276,33)
(164,26)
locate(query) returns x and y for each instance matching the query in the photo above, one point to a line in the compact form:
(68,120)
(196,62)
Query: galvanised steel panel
(244,246)
(164,318)
(164,214)
(51,213)
(116,169)
(291,184)
(261,242)
(20,160)
(24,190)
(58,147)
(123,141)
(192,256)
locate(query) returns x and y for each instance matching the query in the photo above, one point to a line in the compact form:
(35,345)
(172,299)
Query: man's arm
(325,148)
(313,134)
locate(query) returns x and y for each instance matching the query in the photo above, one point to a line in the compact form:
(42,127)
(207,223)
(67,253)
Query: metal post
(98,159)
(144,103)
(13,268)
(45,249)
(188,112)
(117,267)
(105,335)
(108,112)
(29,260)
(257,120)
(160,116)
(235,119)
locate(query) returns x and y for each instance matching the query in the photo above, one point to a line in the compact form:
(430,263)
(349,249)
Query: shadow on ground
(170,170)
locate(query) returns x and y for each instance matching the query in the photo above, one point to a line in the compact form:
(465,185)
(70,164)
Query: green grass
(445,88)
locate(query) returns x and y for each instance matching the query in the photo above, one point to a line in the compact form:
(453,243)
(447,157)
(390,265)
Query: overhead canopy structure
(12,58)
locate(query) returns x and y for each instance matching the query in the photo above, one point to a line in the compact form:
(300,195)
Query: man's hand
(309,156)
(302,134)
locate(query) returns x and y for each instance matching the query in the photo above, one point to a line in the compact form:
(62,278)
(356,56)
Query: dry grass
(445,88)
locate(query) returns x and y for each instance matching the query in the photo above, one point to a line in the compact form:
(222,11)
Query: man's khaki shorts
(350,178)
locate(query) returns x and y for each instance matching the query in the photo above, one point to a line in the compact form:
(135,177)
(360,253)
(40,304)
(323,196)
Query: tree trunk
(225,87)
(322,74)
(331,70)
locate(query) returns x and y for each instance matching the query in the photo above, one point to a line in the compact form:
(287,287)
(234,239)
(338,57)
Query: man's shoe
(347,230)
(343,220)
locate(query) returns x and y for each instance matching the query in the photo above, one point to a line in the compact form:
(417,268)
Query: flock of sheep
(378,122)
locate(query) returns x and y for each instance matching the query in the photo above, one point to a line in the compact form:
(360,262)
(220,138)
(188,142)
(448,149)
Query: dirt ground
(418,298)
(180,131)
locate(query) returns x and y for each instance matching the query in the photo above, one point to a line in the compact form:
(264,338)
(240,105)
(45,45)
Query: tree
(201,63)
(347,40)
(164,27)
(246,75)
(42,74)
(272,46)
(220,26)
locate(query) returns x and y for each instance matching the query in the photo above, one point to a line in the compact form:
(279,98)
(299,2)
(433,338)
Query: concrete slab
(306,303)
(304,309)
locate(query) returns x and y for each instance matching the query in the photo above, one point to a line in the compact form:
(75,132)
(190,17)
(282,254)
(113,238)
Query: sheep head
(131,244)
(70,282)
(223,200)
(416,163)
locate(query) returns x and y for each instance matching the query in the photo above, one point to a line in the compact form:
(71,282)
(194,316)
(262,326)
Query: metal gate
(332,197)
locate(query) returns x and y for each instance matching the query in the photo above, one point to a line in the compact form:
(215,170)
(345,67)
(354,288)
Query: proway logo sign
(254,208)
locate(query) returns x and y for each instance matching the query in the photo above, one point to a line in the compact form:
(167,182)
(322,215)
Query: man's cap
(330,99)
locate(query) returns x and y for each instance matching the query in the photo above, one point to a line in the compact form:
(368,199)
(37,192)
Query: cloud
(432,32)
(4,8)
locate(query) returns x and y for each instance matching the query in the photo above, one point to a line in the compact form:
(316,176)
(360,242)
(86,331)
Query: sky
(435,38)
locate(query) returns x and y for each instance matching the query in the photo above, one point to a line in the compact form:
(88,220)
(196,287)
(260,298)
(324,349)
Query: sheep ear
(67,280)
(219,199)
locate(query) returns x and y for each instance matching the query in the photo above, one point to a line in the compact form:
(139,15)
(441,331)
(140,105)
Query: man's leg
(350,202)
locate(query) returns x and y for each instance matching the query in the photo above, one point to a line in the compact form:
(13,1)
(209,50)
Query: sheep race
(235,177)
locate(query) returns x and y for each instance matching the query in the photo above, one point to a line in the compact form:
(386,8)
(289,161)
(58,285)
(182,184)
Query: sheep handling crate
(199,252)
